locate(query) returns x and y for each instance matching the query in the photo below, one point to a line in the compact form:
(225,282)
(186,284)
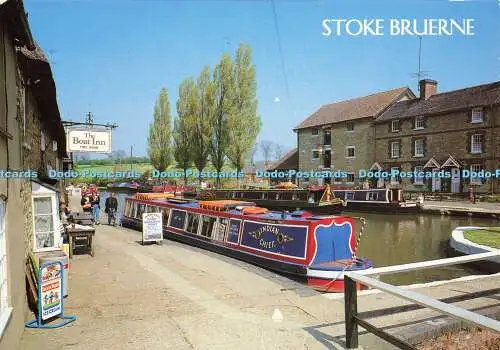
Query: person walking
(111,207)
(96,207)
(85,202)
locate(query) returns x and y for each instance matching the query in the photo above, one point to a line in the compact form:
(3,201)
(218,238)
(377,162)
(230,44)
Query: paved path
(173,296)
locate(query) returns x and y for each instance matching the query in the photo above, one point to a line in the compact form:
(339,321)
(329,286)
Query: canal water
(400,239)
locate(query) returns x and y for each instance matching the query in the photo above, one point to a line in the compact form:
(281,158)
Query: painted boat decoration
(316,248)
(317,201)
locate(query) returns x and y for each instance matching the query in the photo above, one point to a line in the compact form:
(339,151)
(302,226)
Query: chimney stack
(428,88)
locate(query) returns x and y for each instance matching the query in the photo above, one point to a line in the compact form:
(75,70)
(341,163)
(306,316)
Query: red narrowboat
(319,249)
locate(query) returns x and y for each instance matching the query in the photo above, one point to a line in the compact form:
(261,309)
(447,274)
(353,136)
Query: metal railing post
(351,311)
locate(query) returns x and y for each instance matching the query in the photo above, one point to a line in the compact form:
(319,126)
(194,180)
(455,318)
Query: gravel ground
(465,339)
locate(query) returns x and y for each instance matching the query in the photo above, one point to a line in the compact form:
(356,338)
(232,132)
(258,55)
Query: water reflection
(400,239)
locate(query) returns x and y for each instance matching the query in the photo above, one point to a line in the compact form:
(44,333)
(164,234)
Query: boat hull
(320,280)
(286,268)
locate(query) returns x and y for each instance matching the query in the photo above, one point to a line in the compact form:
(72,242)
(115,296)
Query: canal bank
(478,210)
(173,296)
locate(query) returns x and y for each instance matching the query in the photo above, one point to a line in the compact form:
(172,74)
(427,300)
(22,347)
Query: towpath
(173,296)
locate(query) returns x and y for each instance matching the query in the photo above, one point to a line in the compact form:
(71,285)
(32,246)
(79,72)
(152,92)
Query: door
(436,182)
(455,180)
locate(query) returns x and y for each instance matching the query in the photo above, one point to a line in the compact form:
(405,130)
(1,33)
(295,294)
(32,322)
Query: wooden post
(351,311)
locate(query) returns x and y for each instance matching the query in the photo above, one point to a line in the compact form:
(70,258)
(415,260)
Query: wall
(14,214)
(444,135)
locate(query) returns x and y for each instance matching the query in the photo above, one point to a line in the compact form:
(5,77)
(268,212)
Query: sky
(112,57)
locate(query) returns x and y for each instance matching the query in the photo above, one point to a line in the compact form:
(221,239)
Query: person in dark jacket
(96,207)
(111,207)
(85,202)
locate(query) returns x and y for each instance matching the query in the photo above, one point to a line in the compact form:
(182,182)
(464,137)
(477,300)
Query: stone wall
(443,135)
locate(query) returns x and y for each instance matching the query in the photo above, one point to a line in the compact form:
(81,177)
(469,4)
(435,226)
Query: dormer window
(419,123)
(395,126)
(477,115)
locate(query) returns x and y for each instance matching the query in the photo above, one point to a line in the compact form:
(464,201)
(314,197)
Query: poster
(233,234)
(51,290)
(152,227)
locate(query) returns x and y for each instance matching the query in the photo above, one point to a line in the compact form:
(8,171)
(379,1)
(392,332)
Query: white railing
(352,319)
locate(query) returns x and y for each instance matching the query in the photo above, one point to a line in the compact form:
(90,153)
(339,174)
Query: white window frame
(55,222)
(419,154)
(393,123)
(5,308)
(478,144)
(42,141)
(347,152)
(477,115)
(419,123)
(398,149)
(475,180)
(418,180)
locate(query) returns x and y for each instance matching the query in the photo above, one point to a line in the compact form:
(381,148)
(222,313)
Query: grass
(489,236)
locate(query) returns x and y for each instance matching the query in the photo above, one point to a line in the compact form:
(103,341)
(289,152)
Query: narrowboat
(316,249)
(389,200)
(316,201)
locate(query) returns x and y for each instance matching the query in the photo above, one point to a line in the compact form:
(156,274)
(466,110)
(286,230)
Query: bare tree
(266,148)
(252,153)
(279,150)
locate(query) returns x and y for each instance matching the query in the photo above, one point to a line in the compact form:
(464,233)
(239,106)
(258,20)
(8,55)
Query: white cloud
(276,99)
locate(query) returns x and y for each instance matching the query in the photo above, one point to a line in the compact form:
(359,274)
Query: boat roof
(238,208)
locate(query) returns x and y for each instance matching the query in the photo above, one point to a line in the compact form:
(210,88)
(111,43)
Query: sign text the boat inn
(78,140)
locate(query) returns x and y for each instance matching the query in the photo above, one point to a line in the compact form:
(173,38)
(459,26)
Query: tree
(223,83)
(117,155)
(202,99)
(243,123)
(266,147)
(253,153)
(160,134)
(184,150)
(279,150)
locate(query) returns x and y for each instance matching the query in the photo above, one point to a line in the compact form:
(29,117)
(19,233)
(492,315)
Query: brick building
(340,136)
(31,139)
(441,132)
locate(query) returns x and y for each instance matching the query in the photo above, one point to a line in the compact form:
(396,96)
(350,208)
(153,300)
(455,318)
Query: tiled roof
(289,161)
(362,107)
(481,95)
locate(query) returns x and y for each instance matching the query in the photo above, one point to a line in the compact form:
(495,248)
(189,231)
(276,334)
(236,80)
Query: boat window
(372,196)
(140,211)
(220,229)
(349,195)
(263,196)
(165,213)
(178,219)
(207,225)
(234,195)
(133,207)
(192,224)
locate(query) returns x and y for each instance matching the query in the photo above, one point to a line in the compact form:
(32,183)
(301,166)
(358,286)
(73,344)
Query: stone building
(287,165)
(341,136)
(445,133)
(31,142)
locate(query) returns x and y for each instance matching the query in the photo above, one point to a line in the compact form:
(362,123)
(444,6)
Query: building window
(419,123)
(42,141)
(419,180)
(45,222)
(419,148)
(476,143)
(4,296)
(327,138)
(395,126)
(54,146)
(350,152)
(350,126)
(477,115)
(474,179)
(315,155)
(394,179)
(315,131)
(395,149)
(350,178)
